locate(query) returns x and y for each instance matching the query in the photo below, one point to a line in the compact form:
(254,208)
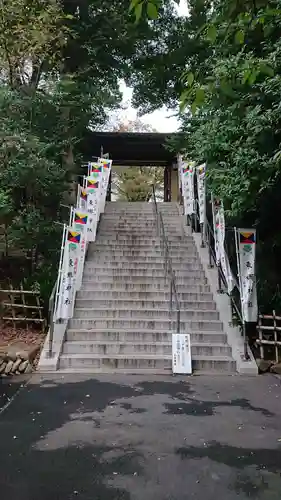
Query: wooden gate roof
(129,148)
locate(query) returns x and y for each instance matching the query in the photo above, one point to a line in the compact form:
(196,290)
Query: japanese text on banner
(201,188)
(106,164)
(187,173)
(93,197)
(219,237)
(80,223)
(246,242)
(69,270)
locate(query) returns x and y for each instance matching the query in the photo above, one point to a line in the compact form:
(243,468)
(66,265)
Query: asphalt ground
(140,438)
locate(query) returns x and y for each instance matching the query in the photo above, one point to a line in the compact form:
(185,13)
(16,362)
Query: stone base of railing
(49,360)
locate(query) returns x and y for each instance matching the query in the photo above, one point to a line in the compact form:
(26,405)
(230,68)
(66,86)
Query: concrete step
(144,238)
(142,279)
(141,221)
(141,244)
(151,296)
(142,225)
(118,206)
(153,248)
(136,207)
(128,225)
(129,302)
(140,271)
(131,214)
(160,348)
(140,335)
(137,254)
(143,313)
(111,285)
(134,225)
(157,262)
(117,268)
(134,229)
(143,362)
(149,244)
(141,323)
(149,218)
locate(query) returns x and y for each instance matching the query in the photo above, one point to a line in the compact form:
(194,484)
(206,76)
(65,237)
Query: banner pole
(59,272)
(78,195)
(70,216)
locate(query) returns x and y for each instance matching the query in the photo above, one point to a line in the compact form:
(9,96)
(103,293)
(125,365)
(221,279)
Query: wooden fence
(21,307)
(269,336)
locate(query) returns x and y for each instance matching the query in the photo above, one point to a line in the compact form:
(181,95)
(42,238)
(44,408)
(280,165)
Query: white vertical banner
(93,200)
(80,224)
(66,291)
(96,173)
(246,263)
(93,166)
(219,237)
(216,228)
(223,255)
(82,202)
(179,160)
(201,189)
(106,164)
(187,175)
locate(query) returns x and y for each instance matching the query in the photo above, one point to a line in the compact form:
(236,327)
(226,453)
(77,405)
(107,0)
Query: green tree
(228,83)
(60,63)
(32,184)
(31,37)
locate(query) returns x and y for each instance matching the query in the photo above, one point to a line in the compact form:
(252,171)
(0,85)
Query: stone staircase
(121,321)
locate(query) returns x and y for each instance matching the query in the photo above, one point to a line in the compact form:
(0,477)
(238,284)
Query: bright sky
(162,119)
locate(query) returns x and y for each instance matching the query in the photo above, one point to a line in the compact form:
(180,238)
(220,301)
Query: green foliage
(151,6)
(135,183)
(223,64)
(236,127)
(31,35)
(32,184)
(61,63)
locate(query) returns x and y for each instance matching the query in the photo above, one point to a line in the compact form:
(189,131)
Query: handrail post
(51,339)
(220,290)
(195,223)
(246,354)
(202,235)
(51,321)
(171,295)
(178,320)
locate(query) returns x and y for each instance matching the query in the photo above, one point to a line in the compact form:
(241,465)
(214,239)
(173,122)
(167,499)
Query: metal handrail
(51,320)
(208,238)
(168,267)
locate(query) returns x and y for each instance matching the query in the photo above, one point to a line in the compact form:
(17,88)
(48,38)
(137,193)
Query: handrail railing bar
(168,267)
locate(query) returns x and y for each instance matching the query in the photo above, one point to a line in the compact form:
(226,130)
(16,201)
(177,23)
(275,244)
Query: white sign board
(181,350)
